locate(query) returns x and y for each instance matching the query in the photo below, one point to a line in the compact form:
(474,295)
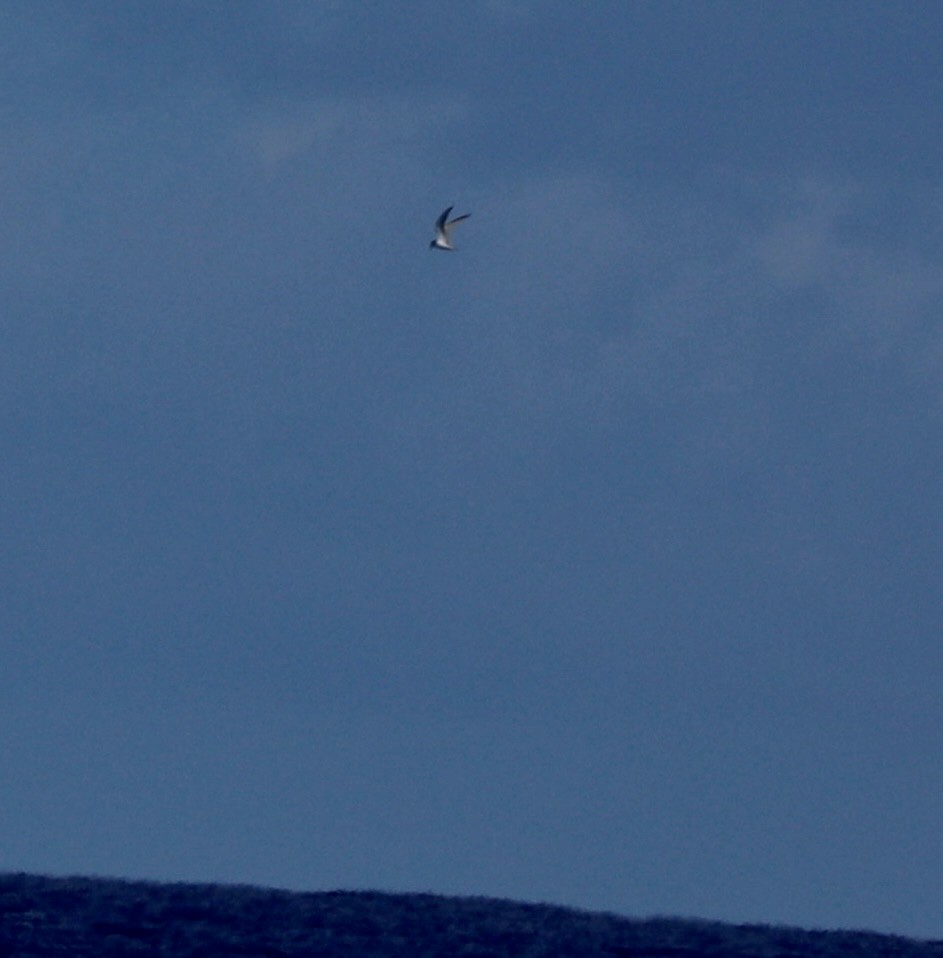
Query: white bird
(443,226)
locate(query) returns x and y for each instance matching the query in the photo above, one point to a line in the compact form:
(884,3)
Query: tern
(443,226)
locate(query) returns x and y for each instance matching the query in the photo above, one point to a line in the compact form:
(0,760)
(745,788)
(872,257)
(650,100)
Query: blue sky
(597,563)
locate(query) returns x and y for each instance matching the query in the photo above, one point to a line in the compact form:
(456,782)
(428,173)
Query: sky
(599,562)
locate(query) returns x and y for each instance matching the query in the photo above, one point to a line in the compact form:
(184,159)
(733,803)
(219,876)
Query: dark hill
(102,918)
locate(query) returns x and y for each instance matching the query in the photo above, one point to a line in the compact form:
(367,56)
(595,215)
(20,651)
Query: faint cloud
(272,142)
(343,129)
(878,294)
(613,300)
(799,247)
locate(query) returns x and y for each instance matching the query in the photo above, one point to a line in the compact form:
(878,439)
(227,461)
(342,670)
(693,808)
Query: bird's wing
(440,222)
(458,219)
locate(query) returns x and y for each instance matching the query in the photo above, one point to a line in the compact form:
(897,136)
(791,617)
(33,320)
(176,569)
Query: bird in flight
(443,227)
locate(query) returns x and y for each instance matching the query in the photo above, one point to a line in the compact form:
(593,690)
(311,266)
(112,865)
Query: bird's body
(443,227)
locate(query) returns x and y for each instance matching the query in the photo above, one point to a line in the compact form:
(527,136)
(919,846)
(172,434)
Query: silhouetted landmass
(106,918)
